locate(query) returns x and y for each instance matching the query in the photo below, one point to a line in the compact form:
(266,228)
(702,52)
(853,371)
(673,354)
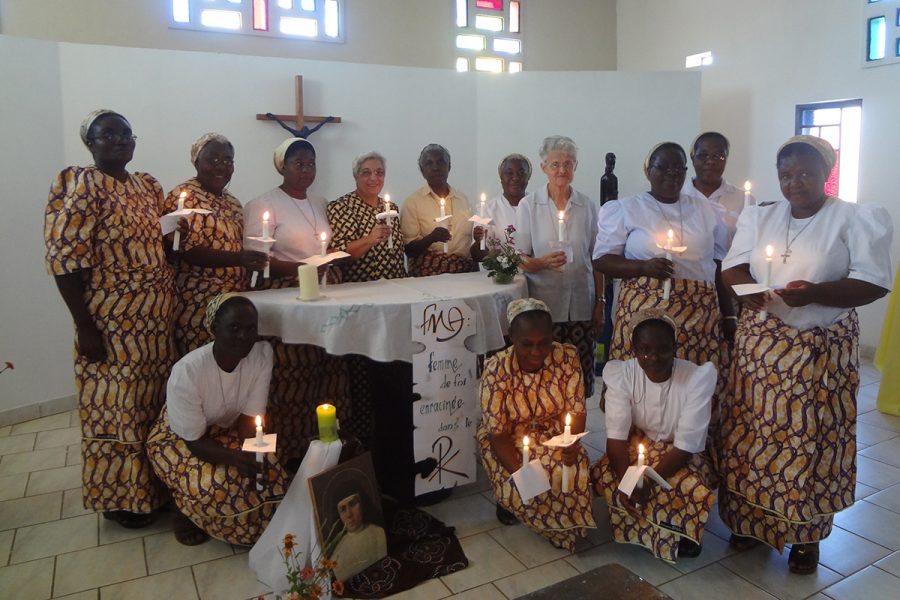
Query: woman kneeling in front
(663,403)
(195,445)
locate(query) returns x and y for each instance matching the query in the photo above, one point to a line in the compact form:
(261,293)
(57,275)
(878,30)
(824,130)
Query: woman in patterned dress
(527,389)
(789,424)
(304,375)
(213,259)
(213,396)
(105,249)
(664,403)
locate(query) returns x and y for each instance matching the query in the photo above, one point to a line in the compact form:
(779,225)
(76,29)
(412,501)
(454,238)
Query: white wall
(771,55)
(171,97)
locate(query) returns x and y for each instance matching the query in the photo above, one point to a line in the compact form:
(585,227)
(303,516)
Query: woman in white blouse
(556,226)
(212,398)
(789,431)
(664,403)
(631,245)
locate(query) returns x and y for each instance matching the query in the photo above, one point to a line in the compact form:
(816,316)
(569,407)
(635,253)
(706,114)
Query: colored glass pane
(220,19)
(877,34)
(299,26)
(489,4)
(514,16)
(260,15)
(181,11)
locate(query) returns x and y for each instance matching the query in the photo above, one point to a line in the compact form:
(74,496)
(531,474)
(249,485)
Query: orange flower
(307,573)
(328,564)
(316,592)
(288,542)
(338,587)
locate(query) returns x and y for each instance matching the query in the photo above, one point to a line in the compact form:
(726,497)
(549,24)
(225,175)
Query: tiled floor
(50,547)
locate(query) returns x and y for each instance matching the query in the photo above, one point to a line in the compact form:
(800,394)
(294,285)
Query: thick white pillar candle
(309,282)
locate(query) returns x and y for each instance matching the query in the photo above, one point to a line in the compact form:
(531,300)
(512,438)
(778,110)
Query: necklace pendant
(785,256)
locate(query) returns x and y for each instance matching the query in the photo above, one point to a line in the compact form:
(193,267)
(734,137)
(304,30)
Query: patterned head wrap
(517,307)
(213,308)
(651,314)
(93,116)
(281,151)
(822,148)
(653,151)
(198,146)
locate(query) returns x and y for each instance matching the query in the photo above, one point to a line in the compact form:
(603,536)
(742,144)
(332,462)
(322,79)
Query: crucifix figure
(298,118)
(785,256)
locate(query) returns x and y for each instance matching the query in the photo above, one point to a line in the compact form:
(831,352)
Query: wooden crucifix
(298,118)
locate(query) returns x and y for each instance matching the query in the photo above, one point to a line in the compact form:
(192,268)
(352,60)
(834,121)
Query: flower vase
(502,278)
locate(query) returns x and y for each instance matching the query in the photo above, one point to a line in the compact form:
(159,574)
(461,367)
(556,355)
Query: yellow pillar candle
(309,282)
(327,417)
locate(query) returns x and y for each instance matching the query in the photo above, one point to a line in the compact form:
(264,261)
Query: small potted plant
(502,260)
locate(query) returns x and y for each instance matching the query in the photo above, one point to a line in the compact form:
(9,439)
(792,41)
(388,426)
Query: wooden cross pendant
(785,256)
(298,118)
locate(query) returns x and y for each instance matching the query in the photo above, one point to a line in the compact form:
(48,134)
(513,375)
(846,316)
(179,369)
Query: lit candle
(667,284)
(567,430)
(265,223)
(260,442)
(443,214)
(390,222)
(525,454)
(323,244)
(177,239)
(309,282)
(640,455)
(387,203)
(767,277)
(481,214)
(567,470)
(747,188)
(326,414)
(561,226)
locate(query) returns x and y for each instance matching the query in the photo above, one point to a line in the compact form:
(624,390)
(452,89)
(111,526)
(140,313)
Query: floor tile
(5,431)
(228,577)
(879,419)
(73,504)
(58,437)
(90,568)
(13,486)
(482,485)
(488,561)
(28,581)
(13,444)
(847,553)
(872,522)
(431,589)
(868,374)
(891,564)
(470,515)
(527,546)
(600,534)
(632,557)
(863,490)
(869,434)
(889,498)
(111,532)
(535,579)
(74,418)
(484,592)
(886,452)
(716,525)
(714,550)
(769,570)
(30,511)
(867,398)
(59,421)
(172,584)
(55,537)
(871,583)
(6,541)
(25,462)
(875,473)
(73,455)
(165,553)
(714,581)
(54,480)
(85,595)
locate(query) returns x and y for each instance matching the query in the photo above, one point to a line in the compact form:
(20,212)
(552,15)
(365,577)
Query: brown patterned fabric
(671,515)
(534,404)
(789,429)
(218,499)
(221,229)
(436,263)
(109,231)
(352,219)
(581,335)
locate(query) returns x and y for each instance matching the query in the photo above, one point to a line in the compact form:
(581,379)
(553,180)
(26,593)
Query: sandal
(804,558)
(505,517)
(741,542)
(689,548)
(187,532)
(130,520)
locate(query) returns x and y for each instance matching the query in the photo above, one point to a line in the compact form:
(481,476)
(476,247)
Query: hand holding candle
(177,239)
(326,414)
(767,278)
(667,284)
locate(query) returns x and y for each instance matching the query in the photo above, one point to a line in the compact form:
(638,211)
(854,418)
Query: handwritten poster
(444,375)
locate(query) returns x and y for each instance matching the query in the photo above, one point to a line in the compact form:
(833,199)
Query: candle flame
(747,186)
(640,448)
(483,197)
(258,421)
(322,236)
(568,419)
(326,406)
(769,251)
(266,216)
(670,235)
(182,195)
(525,441)
(442,203)
(562,215)
(387,198)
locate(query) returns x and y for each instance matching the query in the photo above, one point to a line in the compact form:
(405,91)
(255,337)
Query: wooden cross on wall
(298,118)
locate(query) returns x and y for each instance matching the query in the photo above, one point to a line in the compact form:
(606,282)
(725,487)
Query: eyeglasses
(670,170)
(216,161)
(115,137)
(568,165)
(703,157)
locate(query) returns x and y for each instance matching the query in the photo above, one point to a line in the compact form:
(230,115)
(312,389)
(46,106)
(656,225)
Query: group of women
(764,403)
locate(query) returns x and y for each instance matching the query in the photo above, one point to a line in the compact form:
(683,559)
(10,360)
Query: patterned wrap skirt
(789,430)
(437,263)
(671,515)
(561,518)
(218,499)
(581,335)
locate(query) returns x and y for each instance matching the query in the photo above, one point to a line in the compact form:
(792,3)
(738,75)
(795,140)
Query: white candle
(387,203)
(561,229)
(525,455)
(640,462)
(567,470)
(265,223)
(667,284)
(323,244)
(567,429)
(443,214)
(390,222)
(177,239)
(747,188)
(260,442)
(481,214)
(767,278)
(309,282)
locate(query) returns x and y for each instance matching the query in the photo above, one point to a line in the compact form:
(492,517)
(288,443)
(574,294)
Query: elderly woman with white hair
(515,172)
(375,245)
(556,228)
(213,258)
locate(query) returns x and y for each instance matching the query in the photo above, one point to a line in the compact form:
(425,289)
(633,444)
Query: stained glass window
(881,32)
(487,35)
(306,19)
(840,124)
